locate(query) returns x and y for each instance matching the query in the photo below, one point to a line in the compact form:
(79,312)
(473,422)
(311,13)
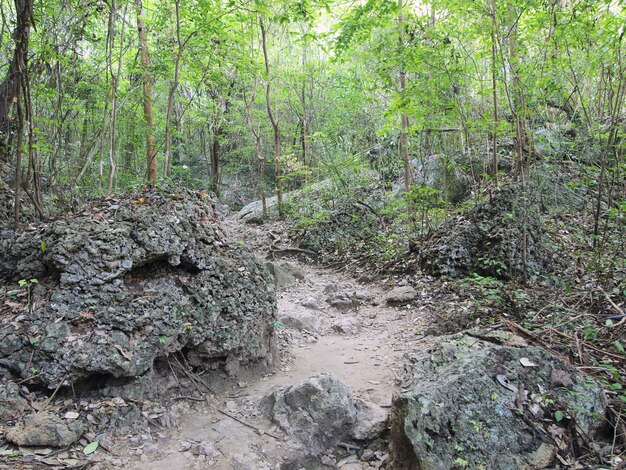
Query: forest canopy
(252,98)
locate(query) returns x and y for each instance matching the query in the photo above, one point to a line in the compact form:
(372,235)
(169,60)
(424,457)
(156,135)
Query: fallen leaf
(126,355)
(504,381)
(527,362)
(71,415)
(91,447)
(42,451)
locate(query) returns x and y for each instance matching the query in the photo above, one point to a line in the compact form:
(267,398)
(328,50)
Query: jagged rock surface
(45,429)
(127,281)
(502,238)
(321,411)
(492,406)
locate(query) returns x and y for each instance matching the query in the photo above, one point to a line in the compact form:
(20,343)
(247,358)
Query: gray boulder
(401,295)
(321,411)
(285,274)
(371,421)
(45,429)
(253,213)
(302,320)
(347,326)
(489,405)
(488,239)
(343,301)
(129,280)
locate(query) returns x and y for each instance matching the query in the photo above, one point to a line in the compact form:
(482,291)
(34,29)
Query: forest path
(363,345)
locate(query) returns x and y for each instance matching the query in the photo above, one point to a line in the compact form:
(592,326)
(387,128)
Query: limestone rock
(371,421)
(347,326)
(302,320)
(342,301)
(312,303)
(487,240)
(11,402)
(252,213)
(45,429)
(285,274)
(460,401)
(401,295)
(319,411)
(131,279)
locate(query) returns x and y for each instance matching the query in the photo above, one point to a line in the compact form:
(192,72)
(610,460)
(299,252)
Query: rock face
(492,406)
(321,411)
(11,402)
(128,281)
(489,240)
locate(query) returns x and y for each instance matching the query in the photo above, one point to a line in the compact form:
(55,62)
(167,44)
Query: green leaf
(90,448)
(43,246)
(618,346)
(558,415)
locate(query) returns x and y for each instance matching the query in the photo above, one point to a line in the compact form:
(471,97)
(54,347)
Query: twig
(347,446)
(291,250)
(53,394)
(28,378)
(193,377)
(617,309)
(185,397)
(520,329)
(613,304)
(245,423)
(598,350)
(175,376)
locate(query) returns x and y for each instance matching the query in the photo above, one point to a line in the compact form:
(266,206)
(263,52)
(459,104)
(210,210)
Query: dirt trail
(366,356)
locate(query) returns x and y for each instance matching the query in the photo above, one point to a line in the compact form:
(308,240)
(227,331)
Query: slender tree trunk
(33,163)
(172,93)
(256,134)
(12,91)
(404,131)
(274,122)
(306,160)
(147,96)
(18,159)
(215,160)
(494,89)
(10,87)
(114,83)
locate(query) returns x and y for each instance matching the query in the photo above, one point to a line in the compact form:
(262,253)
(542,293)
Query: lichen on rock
(131,279)
(490,405)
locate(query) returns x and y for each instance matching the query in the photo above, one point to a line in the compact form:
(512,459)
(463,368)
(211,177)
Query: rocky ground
(359,375)
(327,323)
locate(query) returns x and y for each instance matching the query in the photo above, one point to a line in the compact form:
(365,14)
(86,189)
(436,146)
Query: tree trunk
(274,122)
(256,134)
(10,87)
(404,131)
(147,97)
(18,159)
(494,89)
(172,93)
(215,161)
